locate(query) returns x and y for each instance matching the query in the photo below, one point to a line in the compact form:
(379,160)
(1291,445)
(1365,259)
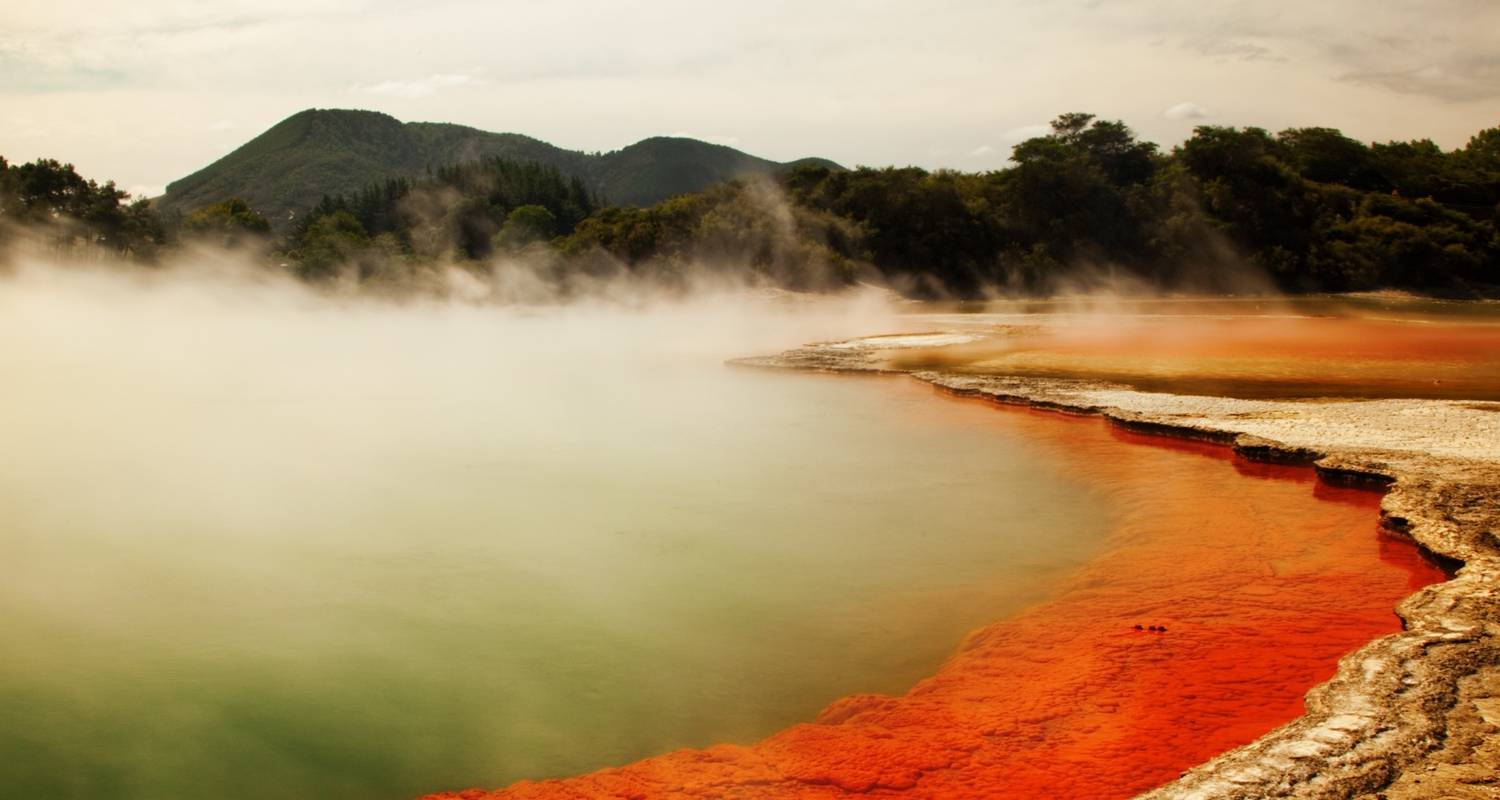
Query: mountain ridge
(317,152)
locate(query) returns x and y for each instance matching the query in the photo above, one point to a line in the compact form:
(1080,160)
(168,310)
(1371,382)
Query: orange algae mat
(1244,356)
(1261,575)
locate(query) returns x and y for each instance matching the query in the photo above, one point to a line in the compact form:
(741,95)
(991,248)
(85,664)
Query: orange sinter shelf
(1243,356)
(1226,590)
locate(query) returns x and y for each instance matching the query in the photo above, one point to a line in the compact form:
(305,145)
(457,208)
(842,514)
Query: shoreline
(1408,715)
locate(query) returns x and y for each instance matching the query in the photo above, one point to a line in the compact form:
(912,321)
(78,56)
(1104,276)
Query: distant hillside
(316,152)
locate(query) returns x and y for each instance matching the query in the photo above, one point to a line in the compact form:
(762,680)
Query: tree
(1483,150)
(328,243)
(527,224)
(1328,156)
(231,223)
(1079,193)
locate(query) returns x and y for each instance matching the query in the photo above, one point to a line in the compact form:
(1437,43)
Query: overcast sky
(145,92)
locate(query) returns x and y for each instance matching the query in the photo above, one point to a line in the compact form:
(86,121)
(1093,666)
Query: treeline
(466,211)
(743,227)
(1308,209)
(74,213)
(1230,209)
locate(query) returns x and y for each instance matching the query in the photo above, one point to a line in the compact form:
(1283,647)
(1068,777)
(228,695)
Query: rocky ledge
(1410,715)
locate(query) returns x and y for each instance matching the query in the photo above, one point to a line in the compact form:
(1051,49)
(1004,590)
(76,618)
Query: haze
(144,93)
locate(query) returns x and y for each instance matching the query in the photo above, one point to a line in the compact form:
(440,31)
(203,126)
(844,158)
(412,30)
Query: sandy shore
(1411,715)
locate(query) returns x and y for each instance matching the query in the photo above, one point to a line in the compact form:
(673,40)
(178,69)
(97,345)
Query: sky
(146,92)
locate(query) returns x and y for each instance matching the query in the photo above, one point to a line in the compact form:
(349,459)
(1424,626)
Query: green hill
(324,151)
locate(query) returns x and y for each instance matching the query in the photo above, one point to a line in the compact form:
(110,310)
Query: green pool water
(267,547)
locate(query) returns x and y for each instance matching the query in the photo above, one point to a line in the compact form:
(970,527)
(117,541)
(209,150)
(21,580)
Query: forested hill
(321,152)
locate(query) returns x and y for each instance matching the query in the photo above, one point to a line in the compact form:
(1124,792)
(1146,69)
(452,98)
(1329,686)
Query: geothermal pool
(1260,575)
(270,546)
(260,544)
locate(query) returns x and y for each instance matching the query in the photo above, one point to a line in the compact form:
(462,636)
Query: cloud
(1459,80)
(1442,50)
(421,87)
(1187,111)
(1025,132)
(1231,48)
(32,69)
(86,45)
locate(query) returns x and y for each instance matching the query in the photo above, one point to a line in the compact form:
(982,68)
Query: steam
(265,535)
(750,237)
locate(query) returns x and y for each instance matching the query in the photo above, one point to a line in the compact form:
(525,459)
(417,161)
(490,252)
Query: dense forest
(466,211)
(1230,209)
(1305,210)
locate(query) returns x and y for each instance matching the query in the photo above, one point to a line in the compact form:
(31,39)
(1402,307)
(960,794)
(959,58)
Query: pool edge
(1410,714)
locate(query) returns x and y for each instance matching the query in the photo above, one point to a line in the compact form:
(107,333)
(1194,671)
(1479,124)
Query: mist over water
(259,542)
